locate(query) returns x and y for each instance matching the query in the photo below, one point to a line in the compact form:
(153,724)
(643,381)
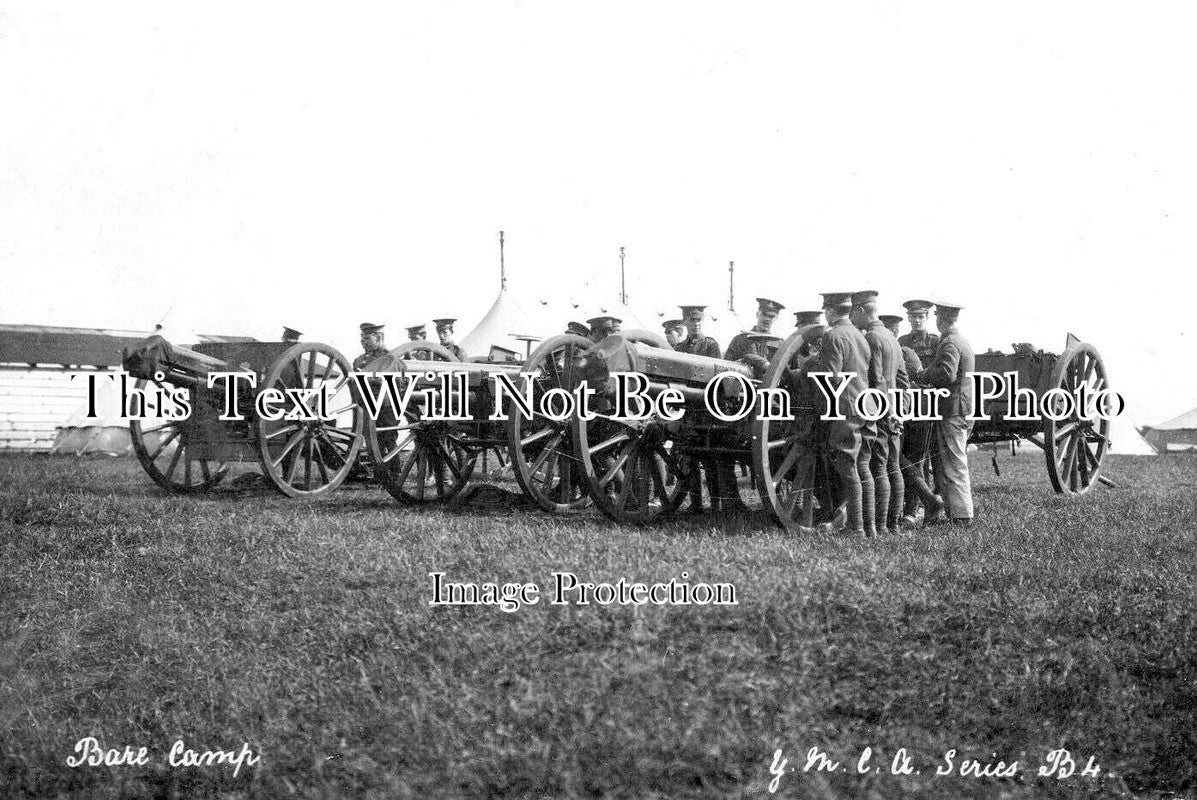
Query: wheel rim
(786,465)
(543,457)
(1076,446)
(165,451)
(308,458)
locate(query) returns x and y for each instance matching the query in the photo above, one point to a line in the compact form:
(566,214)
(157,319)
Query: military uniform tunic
(700,346)
(949,370)
(368,356)
(923,344)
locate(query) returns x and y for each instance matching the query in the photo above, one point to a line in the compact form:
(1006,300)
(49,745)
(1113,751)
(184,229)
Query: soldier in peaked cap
(417,333)
(695,342)
(949,370)
(885,363)
(804,318)
(603,326)
(843,350)
(917,434)
(444,332)
(914,437)
(372,344)
(290,335)
(675,331)
(753,350)
(920,340)
(577,329)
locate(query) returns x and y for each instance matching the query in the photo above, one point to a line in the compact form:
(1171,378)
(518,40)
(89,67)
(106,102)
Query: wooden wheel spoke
(333,447)
(438,469)
(281,431)
(449,461)
(776,443)
(206,470)
(174,434)
(659,478)
(174,462)
(536,437)
(421,470)
(1064,429)
(291,443)
(617,439)
(616,466)
(294,468)
(398,448)
(787,464)
(544,454)
(567,479)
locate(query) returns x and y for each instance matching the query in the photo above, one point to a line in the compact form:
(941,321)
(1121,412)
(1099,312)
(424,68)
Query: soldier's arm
(713,348)
(942,373)
(876,362)
(735,350)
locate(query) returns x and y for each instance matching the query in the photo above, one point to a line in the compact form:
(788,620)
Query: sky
(236,168)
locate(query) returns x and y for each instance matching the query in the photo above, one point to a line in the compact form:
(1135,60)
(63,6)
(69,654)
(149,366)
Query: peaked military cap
(444,322)
(767,306)
(605,319)
(370,327)
(290,333)
(414,329)
(836,299)
(807,318)
(944,305)
(577,327)
(690,311)
(890,319)
(673,323)
(915,306)
(862,297)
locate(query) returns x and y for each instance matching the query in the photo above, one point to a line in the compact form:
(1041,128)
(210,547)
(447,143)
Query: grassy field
(304,630)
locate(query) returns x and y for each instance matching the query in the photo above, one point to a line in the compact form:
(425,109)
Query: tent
(1126,441)
(506,319)
(1175,435)
(106,433)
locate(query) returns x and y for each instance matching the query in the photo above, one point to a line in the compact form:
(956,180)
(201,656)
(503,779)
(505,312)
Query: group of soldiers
(373,340)
(880,471)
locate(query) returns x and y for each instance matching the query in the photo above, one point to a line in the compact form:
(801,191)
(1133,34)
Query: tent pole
(623,288)
(502,265)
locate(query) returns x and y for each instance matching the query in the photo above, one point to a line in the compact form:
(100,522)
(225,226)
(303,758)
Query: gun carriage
(420,459)
(640,469)
(301,454)
(1075,445)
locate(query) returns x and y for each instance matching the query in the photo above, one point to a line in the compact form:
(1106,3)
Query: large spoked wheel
(302,454)
(1075,446)
(163,448)
(783,455)
(631,469)
(542,452)
(419,460)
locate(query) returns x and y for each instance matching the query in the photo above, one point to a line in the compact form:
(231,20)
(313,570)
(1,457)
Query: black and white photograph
(628,400)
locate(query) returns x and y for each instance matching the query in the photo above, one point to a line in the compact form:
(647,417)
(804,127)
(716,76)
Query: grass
(304,629)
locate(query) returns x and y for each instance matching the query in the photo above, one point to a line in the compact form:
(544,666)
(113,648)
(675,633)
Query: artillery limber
(1074,439)
(420,458)
(304,445)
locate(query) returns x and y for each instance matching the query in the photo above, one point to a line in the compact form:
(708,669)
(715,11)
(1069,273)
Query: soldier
(920,340)
(804,318)
(603,326)
(444,332)
(844,350)
(290,335)
(917,435)
(885,362)
(417,333)
(913,478)
(753,350)
(372,344)
(577,329)
(949,370)
(695,342)
(675,331)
